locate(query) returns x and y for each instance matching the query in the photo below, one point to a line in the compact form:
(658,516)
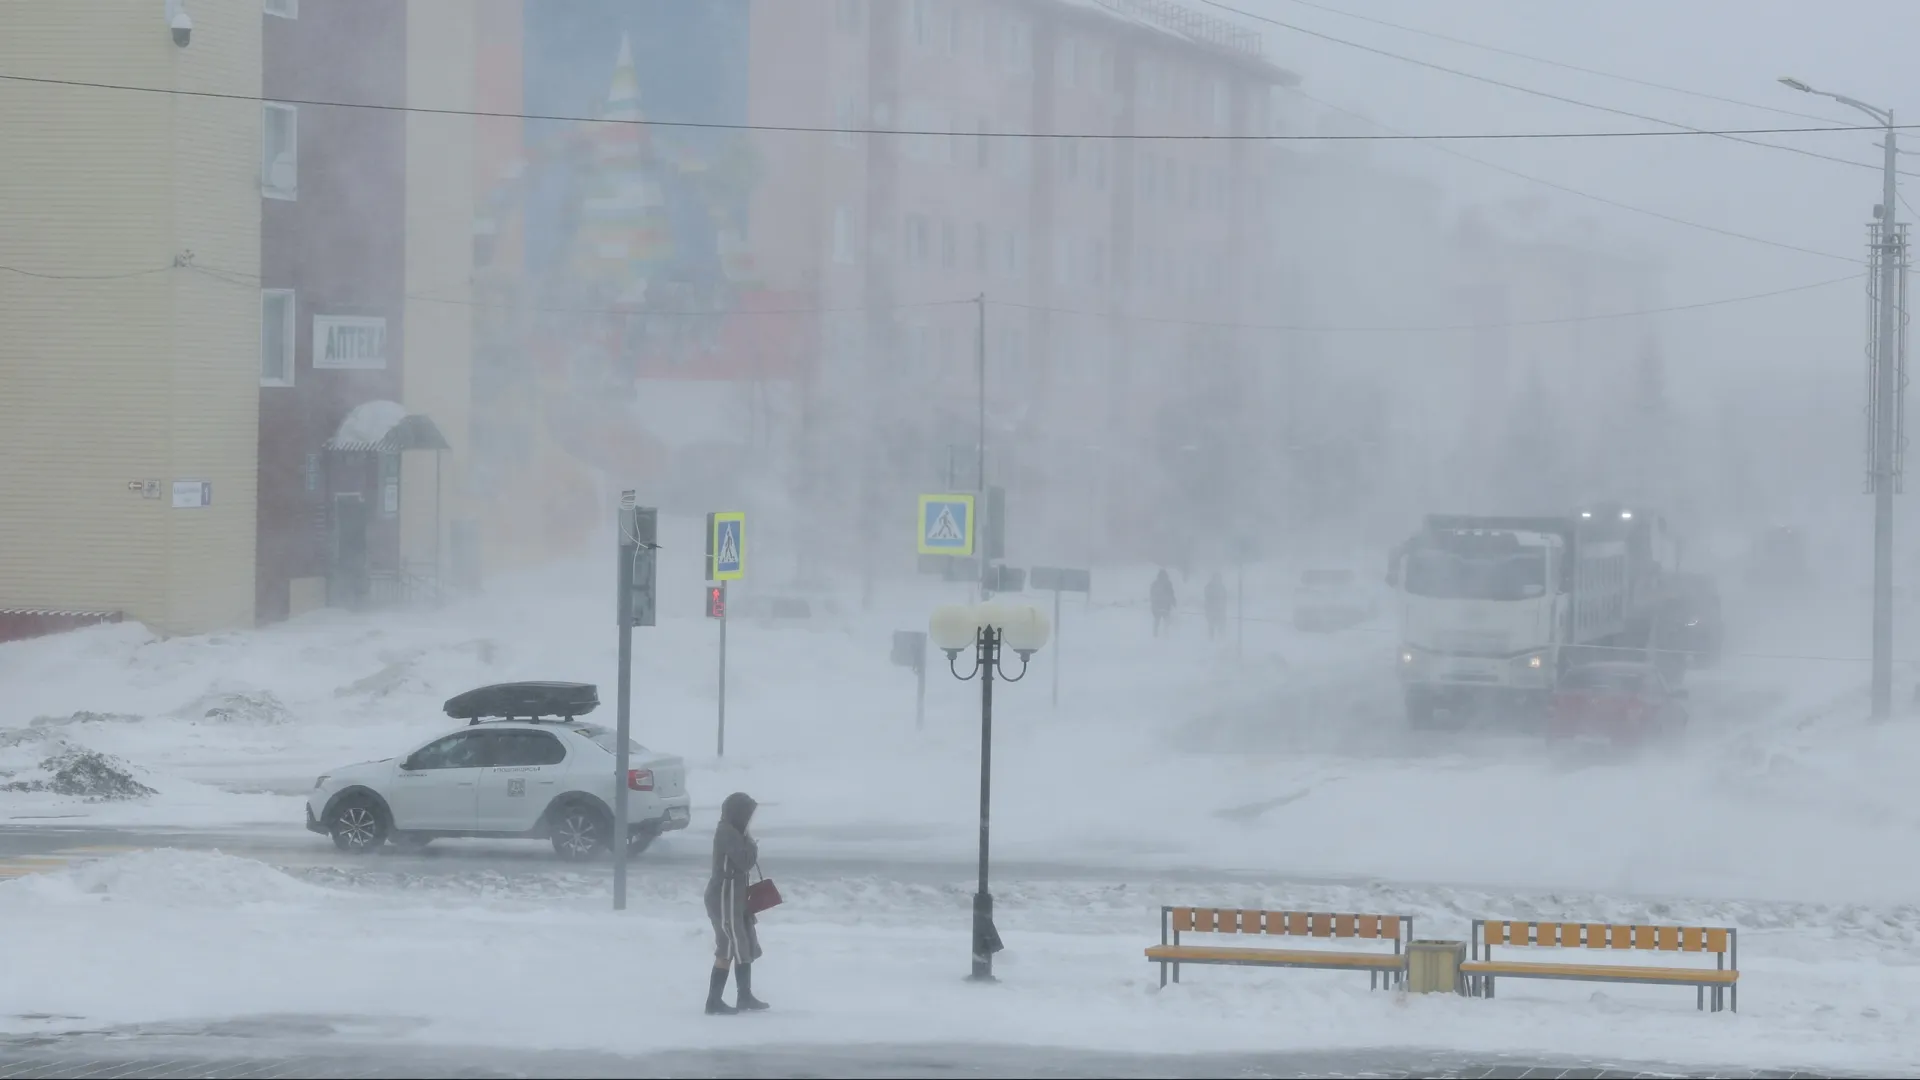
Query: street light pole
(986,940)
(1885,407)
(990,629)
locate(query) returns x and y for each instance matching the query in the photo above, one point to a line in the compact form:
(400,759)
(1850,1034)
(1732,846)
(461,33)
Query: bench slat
(1601,972)
(1199,954)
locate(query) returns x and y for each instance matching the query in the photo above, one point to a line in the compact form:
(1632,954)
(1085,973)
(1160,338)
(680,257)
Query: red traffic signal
(716,602)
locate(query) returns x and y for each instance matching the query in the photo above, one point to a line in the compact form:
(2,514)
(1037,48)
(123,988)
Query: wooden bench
(1382,968)
(1722,979)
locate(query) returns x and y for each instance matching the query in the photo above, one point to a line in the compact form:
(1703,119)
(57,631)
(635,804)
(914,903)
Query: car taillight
(639,779)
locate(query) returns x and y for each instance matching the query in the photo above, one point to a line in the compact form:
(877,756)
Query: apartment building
(129,297)
(365,255)
(1113,263)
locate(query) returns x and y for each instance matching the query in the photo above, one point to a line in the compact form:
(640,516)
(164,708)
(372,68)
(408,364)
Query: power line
(1682,130)
(1601,198)
(253,281)
(85,277)
(1436,35)
(1733,135)
(1724,301)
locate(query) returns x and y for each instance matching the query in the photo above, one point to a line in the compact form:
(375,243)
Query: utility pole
(1886,409)
(981,303)
(1886,430)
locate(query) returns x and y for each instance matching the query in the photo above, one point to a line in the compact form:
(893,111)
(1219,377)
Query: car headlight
(1535,662)
(1406,656)
(321,782)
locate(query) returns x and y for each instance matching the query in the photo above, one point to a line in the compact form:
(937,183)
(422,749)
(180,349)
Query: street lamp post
(990,629)
(1886,412)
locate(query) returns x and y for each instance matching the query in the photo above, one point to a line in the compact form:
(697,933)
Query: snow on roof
(1190,24)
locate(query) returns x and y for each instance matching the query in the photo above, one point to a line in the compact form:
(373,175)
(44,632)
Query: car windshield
(1519,574)
(1604,679)
(606,739)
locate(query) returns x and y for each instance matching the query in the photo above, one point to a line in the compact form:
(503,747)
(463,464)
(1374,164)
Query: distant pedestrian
(736,943)
(1216,606)
(1160,596)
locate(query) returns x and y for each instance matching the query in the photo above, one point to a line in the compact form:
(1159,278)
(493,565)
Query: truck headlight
(1406,656)
(1534,662)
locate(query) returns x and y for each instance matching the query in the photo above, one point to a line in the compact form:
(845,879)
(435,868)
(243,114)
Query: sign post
(1060,581)
(910,651)
(639,531)
(726,561)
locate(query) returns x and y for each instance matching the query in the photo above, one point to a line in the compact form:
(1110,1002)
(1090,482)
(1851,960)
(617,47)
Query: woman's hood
(738,809)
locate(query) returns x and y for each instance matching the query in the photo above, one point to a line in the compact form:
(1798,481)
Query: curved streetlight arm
(1883,115)
(1001,667)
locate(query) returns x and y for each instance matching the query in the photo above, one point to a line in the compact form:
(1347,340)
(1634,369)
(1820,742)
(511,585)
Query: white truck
(1494,610)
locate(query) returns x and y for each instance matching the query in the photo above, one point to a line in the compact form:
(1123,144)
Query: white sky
(1731,48)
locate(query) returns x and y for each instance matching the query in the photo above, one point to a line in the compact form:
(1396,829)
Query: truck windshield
(1446,575)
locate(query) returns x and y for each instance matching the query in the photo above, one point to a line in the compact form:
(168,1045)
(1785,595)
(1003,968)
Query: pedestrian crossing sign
(946,525)
(726,546)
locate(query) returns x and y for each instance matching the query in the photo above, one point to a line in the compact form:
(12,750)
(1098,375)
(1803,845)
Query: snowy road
(259,1051)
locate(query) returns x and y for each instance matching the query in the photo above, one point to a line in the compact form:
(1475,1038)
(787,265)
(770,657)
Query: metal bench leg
(1699,997)
(1163,973)
(1733,995)
(1176,972)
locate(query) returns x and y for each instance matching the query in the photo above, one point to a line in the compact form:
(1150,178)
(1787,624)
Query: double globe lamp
(989,629)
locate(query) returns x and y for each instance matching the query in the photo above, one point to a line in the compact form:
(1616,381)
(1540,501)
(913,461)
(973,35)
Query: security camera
(179,22)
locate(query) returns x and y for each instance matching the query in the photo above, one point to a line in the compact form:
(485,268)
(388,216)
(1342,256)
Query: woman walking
(736,945)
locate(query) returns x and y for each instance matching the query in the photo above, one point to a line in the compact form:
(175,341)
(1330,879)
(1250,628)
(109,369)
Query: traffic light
(716,602)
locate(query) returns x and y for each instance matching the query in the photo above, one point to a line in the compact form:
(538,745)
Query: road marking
(16,866)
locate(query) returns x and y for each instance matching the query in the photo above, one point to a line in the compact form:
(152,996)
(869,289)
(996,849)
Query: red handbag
(762,894)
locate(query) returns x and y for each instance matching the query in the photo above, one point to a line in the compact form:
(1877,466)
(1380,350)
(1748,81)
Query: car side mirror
(410,763)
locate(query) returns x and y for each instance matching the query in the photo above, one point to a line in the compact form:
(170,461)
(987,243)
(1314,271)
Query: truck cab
(1483,609)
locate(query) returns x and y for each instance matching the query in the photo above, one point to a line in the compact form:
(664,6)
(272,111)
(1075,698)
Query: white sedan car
(500,777)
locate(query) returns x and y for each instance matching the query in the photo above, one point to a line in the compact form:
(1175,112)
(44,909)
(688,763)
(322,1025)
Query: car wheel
(580,831)
(358,825)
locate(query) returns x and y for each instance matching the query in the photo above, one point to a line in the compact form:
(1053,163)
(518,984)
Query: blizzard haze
(1323,315)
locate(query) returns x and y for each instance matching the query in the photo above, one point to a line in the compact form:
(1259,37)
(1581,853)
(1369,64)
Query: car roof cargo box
(528,700)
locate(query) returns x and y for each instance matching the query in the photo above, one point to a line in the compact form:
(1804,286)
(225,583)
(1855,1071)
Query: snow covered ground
(1782,813)
(170,937)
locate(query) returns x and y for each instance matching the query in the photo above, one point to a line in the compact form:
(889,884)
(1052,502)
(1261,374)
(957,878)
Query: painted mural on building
(616,250)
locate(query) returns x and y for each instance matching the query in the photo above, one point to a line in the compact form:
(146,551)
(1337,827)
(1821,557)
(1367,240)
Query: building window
(279,151)
(1099,152)
(848,15)
(1066,63)
(949,246)
(846,117)
(842,235)
(981,246)
(276,337)
(984,152)
(919,239)
(1015,255)
(1222,103)
(1016,45)
(1097,261)
(921,19)
(1070,159)
(286,9)
(1149,172)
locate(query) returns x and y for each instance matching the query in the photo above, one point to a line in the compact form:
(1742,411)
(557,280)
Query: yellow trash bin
(1433,967)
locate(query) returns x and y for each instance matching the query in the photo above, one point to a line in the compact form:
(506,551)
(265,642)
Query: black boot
(743,980)
(716,983)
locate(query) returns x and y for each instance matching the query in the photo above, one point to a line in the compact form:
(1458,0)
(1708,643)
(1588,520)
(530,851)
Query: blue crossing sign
(946,525)
(726,546)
